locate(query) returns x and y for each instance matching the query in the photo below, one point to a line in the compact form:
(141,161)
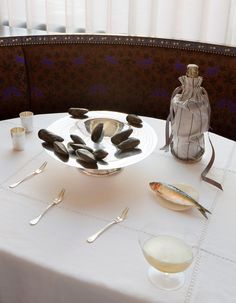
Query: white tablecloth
(52,262)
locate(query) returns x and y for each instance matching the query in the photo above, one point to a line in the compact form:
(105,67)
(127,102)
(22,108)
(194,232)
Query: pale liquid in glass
(168,254)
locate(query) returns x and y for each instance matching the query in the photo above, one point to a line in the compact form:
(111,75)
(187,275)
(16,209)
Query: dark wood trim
(118,40)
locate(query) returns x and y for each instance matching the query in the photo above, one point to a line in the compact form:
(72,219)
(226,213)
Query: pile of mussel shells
(85,155)
(123,141)
(54,143)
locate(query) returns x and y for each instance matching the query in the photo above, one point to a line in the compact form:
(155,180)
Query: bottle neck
(192,71)
(191,88)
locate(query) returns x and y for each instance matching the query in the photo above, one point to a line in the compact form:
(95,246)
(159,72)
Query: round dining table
(52,262)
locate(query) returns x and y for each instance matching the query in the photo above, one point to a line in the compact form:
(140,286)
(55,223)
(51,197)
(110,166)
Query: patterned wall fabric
(13,82)
(127,78)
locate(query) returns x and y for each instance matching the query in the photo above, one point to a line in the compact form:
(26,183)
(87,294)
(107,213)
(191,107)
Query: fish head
(155,186)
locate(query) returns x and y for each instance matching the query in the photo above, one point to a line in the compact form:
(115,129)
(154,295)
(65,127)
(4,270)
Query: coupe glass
(169,252)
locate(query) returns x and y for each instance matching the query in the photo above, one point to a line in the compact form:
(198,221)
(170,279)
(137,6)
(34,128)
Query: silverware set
(59,198)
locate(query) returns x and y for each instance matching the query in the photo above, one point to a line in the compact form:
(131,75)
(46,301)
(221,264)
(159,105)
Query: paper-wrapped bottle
(189,116)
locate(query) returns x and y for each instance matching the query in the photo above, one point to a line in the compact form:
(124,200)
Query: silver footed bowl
(113,122)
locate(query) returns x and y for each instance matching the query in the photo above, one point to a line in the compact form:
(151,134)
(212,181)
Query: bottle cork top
(192,71)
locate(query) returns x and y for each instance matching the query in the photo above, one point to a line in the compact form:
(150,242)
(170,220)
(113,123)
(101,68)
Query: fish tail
(203,208)
(203,212)
(206,210)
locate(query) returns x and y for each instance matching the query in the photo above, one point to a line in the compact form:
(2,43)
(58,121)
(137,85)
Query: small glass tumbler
(27,120)
(18,138)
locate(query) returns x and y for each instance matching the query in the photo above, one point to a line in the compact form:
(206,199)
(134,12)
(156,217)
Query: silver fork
(115,221)
(56,201)
(36,172)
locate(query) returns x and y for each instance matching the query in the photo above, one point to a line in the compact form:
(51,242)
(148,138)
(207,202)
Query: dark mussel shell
(102,162)
(97,133)
(136,125)
(133,119)
(121,136)
(121,154)
(60,149)
(87,165)
(77,139)
(48,146)
(77,112)
(100,154)
(129,144)
(48,136)
(85,155)
(69,146)
(61,157)
(76,146)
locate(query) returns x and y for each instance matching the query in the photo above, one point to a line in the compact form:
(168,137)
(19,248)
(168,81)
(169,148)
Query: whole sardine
(176,195)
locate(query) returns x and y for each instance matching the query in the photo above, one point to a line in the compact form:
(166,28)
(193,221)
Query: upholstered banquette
(129,74)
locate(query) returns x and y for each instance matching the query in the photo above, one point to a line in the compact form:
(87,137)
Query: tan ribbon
(209,165)
(169,136)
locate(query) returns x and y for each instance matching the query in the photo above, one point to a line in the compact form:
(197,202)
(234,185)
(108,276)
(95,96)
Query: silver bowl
(113,122)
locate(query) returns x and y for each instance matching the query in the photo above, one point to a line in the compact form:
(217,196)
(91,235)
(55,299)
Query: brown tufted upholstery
(13,82)
(137,76)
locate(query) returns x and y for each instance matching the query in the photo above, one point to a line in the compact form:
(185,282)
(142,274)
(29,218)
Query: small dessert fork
(36,172)
(56,201)
(115,221)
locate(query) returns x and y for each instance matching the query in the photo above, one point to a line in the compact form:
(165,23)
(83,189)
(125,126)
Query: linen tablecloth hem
(98,291)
